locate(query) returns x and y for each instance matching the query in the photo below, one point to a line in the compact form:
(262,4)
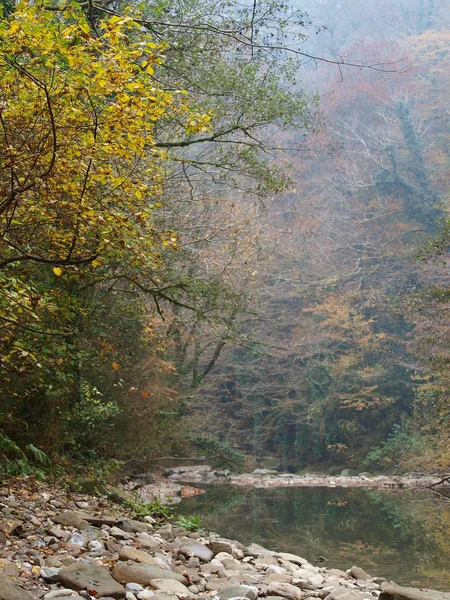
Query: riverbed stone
(292,558)
(129,553)
(170,586)
(9,591)
(132,526)
(93,578)
(343,593)
(148,541)
(240,591)
(286,590)
(143,574)
(70,518)
(358,573)
(197,550)
(391,591)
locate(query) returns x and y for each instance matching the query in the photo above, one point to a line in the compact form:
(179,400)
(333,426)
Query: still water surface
(401,535)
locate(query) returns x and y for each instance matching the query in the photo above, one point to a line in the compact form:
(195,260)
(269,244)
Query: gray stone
(197,550)
(120,534)
(132,526)
(70,518)
(286,590)
(293,558)
(170,586)
(146,595)
(59,533)
(49,574)
(2,539)
(78,539)
(9,591)
(148,541)
(134,587)
(82,576)
(342,593)
(392,591)
(221,545)
(61,593)
(241,591)
(358,573)
(128,553)
(143,574)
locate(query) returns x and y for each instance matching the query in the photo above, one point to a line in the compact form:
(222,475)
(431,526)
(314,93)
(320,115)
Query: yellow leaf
(115,366)
(57,271)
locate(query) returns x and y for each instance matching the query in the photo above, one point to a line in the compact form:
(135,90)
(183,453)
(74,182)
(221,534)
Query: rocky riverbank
(79,547)
(172,488)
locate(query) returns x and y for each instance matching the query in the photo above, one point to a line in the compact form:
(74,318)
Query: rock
(132,526)
(143,574)
(238,591)
(265,559)
(98,520)
(130,596)
(92,578)
(264,472)
(342,593)
(358,573)
(120,534)
(166,532)
(95,548)
(10,527)
(78,539)
(197,550)
(286,590)
(392,591)
(139,556)
(293,558)
(49,574)
(9,591)
(220,545)
(70,518)
(59,533)
(7,567)
(134,587)
(146,595)
(2,539)
(148,541)
(61,593)
(150,520)
(113,546)
(170,586)
(349,473)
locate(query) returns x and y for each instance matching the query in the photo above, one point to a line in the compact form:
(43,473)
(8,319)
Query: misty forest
(225,285)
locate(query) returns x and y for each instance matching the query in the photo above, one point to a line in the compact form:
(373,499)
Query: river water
(401,535)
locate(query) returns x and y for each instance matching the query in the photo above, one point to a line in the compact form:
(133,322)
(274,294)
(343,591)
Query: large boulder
(143,574)
(392,591)
(9,591)
(94,579)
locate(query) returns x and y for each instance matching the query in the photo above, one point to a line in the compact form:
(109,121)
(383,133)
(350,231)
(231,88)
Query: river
(401,535)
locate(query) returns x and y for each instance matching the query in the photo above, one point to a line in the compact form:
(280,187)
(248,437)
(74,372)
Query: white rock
(59,593)
(130,596)
(134,587)
(145,595)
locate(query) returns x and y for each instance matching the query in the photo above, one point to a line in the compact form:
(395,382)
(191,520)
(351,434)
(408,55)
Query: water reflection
(403,536)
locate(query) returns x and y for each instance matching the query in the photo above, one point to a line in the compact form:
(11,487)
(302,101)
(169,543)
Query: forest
(224,234)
